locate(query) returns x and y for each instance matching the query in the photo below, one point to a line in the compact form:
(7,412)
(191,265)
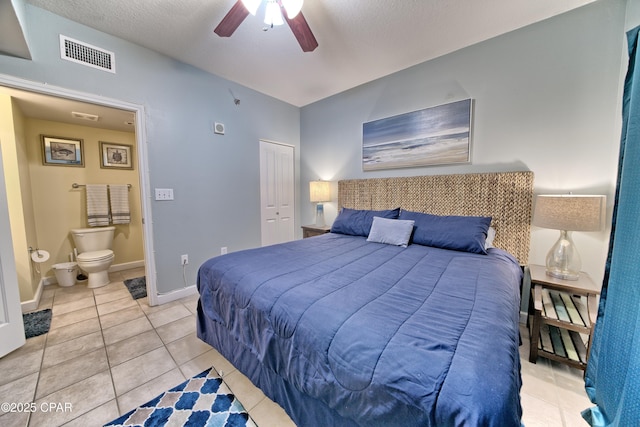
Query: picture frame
(439,135)
(116,156)
(60,151)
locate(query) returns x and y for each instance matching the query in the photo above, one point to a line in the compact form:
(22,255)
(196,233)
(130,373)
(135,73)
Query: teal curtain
(613,373)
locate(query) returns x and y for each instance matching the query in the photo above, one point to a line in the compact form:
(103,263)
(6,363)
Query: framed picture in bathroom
(58,151)
(116,156)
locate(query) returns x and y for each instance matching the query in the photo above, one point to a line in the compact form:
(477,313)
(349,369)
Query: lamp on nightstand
(320,192)
(567,213)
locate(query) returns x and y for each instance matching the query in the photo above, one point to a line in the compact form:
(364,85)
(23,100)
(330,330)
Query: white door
(11,326)
(277,188)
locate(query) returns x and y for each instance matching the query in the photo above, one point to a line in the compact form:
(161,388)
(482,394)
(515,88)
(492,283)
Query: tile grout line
(178,366)
(109,367)
(95,305)
(44,349)
(146,315)
(104,346)
(104,343)
(113,384)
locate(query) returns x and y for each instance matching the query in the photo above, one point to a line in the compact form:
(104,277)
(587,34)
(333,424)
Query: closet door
(277,188)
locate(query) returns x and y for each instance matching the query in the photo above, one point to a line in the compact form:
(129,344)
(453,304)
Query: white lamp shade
(319,191)
(251,5)
(292,7)
(570,212)
(272,15)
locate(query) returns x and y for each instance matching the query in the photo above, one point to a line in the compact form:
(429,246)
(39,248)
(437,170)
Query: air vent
(86,54)
(85,116)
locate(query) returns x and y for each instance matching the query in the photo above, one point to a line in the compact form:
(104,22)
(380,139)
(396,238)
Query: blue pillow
(390,231)
(358,222)
(460,233)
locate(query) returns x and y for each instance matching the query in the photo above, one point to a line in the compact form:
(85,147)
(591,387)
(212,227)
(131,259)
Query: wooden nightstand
(314,230)
(562,317)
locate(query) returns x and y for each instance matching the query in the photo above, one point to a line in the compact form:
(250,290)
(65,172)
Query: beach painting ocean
(432,136)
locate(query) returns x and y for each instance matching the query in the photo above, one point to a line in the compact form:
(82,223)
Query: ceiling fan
(273,16)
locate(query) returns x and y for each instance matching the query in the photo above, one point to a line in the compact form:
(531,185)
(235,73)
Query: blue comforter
(381,335)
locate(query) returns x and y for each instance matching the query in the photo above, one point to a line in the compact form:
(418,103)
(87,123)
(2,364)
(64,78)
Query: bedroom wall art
(62,151)
(433,136)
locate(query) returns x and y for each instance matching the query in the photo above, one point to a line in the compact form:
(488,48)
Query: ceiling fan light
(251,5)
(292,7)
(273,16)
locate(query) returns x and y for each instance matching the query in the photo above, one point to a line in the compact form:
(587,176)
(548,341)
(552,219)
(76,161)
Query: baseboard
(523,318)
(126,266)
(175,295)
(160,298)
(33,304)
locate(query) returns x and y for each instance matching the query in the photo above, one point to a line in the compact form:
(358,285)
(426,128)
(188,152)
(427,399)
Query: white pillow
(491,234)
(391,231)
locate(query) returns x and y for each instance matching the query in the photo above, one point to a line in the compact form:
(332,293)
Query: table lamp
(320,192)
(567,212)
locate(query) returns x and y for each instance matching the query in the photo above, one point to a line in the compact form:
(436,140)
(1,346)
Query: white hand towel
(97,205)
(120,212)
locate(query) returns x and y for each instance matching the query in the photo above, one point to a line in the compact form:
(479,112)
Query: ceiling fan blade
(232,20)
(301,30)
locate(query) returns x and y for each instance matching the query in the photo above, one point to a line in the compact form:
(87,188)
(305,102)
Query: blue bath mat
(137,287)
(204,400)
(36,323)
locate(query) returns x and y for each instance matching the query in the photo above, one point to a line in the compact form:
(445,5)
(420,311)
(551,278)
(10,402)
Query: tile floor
(552,393)
(107,353)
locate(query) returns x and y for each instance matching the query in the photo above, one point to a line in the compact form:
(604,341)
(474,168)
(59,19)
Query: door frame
(141,151)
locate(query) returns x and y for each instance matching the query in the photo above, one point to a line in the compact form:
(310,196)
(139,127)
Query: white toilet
(94,253)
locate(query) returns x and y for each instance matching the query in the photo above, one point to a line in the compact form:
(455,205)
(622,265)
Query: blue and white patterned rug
(204,400)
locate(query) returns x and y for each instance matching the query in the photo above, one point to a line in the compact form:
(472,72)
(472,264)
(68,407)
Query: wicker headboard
(505,196)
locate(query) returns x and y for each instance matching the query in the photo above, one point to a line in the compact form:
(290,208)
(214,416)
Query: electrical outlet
(184,259)
(223,250)
(164,193)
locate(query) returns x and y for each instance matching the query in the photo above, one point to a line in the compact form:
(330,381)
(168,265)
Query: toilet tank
(93,239)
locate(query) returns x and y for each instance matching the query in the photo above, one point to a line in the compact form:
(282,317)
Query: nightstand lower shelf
(562,318)
(563,345)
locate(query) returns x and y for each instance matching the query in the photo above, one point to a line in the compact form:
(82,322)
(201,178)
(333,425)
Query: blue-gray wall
(633,14)
(215,178)
(546,99)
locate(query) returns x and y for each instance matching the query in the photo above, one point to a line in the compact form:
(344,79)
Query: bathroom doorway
(34,95)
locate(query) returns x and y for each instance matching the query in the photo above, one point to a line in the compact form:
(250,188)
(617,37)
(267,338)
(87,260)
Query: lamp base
(320,215)
(563,260)
(563,275)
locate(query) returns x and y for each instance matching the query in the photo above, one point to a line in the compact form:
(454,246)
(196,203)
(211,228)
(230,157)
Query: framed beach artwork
(116,156)
(62,151)
(433,136)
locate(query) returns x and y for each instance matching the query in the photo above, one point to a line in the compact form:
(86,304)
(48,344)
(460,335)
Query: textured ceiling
(359,40)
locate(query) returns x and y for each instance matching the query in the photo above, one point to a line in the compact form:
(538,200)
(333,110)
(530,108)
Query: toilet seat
(95,256)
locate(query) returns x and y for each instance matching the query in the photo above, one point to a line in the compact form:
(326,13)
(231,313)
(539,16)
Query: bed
(349,328)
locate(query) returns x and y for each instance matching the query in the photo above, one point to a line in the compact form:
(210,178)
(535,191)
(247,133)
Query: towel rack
(76,185)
